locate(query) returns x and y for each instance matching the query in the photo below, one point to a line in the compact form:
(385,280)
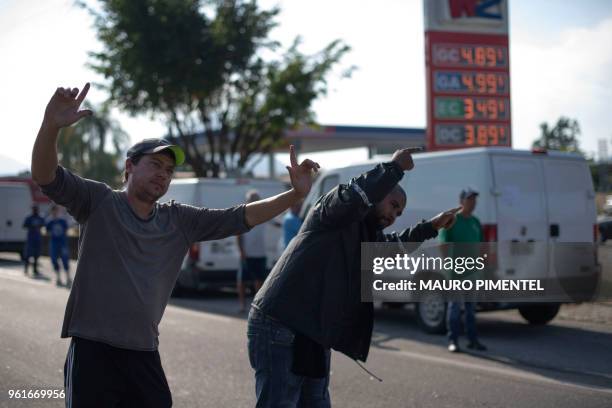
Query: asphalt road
(203,347)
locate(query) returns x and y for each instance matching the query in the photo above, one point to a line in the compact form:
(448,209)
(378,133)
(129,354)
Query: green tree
(562,136)
(93,147)
(198,65)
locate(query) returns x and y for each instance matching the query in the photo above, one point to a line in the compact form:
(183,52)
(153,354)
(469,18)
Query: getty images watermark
(459,265)
(487,272)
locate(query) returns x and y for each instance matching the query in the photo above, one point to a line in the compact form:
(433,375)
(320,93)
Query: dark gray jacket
(314,288)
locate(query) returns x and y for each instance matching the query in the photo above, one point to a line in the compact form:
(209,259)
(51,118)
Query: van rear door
(522,221)
(571,216)
(4,222)
(571,200)
(17,204)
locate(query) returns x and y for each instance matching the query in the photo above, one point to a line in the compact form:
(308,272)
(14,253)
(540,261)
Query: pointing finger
(292,157)
(456,210)
(83,93)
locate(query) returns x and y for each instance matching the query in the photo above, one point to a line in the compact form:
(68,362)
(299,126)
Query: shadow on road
(7,260)
(570,352)
(221,302)
(557,351)
(576,355)
(12,261)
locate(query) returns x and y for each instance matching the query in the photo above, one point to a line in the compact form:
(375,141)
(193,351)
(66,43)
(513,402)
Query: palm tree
(93,147)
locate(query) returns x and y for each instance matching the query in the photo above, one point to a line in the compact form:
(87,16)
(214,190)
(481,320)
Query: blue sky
(561,60)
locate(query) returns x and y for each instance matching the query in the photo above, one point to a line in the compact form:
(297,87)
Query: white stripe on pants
(68,380)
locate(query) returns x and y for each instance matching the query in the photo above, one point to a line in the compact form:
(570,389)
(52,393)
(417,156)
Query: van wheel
(539,314)
(431,313)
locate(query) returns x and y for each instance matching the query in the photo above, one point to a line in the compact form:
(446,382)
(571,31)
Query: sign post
(468,73)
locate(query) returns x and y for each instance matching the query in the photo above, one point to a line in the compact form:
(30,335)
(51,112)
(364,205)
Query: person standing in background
(33,223)
(252,247)
(291,223)
(57,228)
(466,229)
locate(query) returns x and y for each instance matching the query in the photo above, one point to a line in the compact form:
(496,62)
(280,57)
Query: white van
(15,205)
(525,196)
(215,263)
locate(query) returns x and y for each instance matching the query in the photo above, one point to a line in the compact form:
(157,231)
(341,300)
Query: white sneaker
(453,347)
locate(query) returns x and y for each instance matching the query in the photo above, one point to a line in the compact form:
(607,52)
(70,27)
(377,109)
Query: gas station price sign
(470,108)
(468,75)
(471,82)
(471,135)
(470,56)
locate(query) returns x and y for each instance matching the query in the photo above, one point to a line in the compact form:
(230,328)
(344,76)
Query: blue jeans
(32,249)
(270,347)
(453,324)
(58,249)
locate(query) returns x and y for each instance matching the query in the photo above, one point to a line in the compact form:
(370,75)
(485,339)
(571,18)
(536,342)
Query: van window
(328,183)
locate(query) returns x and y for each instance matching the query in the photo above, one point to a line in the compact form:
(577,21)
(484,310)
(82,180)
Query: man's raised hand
(445,219)
(403,157)
(63,108)
(301,175)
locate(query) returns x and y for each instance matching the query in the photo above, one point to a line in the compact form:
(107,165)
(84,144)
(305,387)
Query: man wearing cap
(130,251)
(466,229)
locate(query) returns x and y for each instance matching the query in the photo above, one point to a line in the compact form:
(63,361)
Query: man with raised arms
(311,301)
(130,251)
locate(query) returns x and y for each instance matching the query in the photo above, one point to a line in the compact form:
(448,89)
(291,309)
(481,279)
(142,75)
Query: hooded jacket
(315,287)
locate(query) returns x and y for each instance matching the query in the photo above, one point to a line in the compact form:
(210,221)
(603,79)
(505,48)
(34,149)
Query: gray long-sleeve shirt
(127,266)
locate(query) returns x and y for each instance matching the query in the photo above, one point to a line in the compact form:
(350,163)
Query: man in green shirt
(466,229)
